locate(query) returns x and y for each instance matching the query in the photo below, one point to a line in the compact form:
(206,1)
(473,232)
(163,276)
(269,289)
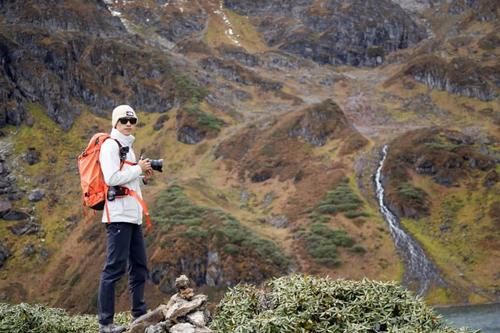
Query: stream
(420,272)
(485,317)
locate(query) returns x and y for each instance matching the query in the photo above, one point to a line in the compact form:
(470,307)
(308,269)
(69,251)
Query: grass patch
(342,199)
(411,193)
(203,119)
(322,242)
(174,210)
(188,90)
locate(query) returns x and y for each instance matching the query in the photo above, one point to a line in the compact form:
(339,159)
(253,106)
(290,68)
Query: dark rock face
(194,125)
(72,15)
(78,64)
(240,55)
(334,32)
(483,10)
(168,21)
(234,72)
(8,188)
(461,76)
(189,135)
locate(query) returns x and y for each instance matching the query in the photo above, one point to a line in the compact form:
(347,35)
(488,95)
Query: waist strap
(141,202)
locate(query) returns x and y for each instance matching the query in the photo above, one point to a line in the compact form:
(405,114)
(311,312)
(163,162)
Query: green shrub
(412,193)
(359,249)
(354,214)
(26,318)
(298,303)
(327,209)
(341,199)
(322,243)
(188,90)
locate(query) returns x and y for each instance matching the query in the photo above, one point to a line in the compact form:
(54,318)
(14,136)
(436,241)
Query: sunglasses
(124,121)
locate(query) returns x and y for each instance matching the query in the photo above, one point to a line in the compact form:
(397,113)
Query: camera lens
(157,165)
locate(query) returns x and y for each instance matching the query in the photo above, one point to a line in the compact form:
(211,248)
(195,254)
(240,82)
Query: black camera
(114,191)
(157,165)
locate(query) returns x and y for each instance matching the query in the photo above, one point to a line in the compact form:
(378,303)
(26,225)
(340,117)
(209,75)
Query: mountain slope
(269,150)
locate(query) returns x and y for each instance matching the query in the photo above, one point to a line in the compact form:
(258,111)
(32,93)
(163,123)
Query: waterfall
(420,272)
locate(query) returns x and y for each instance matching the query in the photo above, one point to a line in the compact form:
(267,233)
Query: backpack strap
(141,202)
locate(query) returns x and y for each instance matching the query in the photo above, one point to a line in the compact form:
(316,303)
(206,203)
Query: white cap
(122,111)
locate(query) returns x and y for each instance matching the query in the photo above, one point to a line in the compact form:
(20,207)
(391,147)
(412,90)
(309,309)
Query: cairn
(185,312)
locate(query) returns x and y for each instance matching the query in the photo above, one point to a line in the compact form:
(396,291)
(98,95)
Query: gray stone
(29,250)
(278,221)
(5,206)
(15,216)
(197,318)
(202,330)
(268,199)
(158,328)
(32,156)
(36,195)
(147,320)
(179,307)
(25,228)
(182,328)
(182,282)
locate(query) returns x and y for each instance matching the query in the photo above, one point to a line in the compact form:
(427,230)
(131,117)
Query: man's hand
(145,165)
(148,174)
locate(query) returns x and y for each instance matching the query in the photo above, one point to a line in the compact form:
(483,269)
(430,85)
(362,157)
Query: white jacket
(123,208)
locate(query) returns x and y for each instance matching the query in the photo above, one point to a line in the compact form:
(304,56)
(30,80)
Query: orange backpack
(94,187)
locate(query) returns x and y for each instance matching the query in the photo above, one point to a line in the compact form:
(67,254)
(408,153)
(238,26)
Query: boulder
(32,156)
(36,195)
(5,207)
(15,216)
(25,228)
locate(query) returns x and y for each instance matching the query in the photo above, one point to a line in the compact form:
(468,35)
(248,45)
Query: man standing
(123,220)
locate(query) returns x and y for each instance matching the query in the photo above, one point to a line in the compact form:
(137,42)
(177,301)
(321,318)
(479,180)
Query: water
(420,272)
(485,317)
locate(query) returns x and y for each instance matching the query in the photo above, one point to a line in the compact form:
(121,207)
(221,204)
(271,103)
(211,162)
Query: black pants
(125,245)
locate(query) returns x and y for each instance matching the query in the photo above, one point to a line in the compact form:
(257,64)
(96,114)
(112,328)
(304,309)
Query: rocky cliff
(76,56)
(333,32)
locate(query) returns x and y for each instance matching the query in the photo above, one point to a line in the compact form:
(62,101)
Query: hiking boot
(111,328)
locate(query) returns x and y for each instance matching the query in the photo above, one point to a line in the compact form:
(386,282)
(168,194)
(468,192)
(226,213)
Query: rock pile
(185,312)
